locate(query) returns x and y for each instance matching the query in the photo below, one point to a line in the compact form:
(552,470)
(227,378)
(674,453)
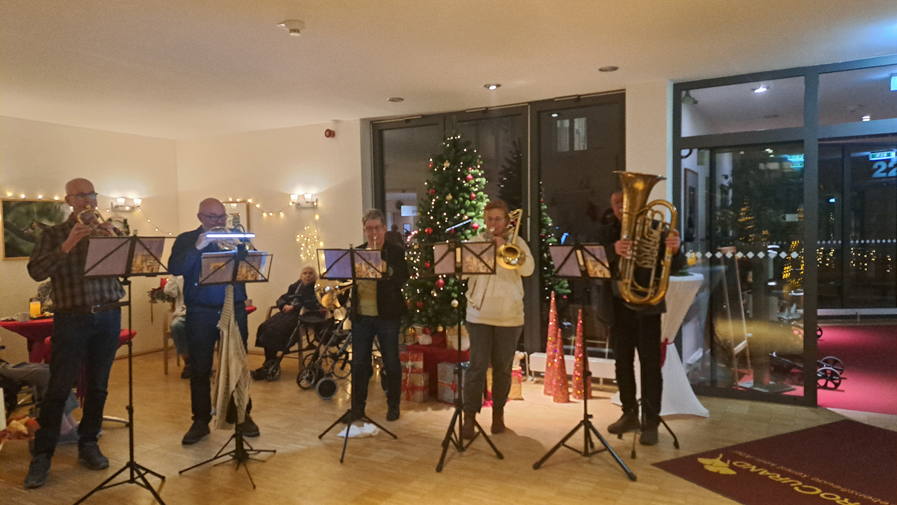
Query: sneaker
(197,432)
(90,456)
(392,414)
(187,372)
(249,428)
(649,434)
(627,422)
(353,415)
(38,471)
(469,428)
(498,422)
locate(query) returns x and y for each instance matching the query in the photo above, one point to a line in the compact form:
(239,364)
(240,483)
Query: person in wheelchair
(298,305)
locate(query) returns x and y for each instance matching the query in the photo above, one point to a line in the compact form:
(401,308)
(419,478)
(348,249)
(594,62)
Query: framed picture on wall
(237,214)
(25,220)
(690,205)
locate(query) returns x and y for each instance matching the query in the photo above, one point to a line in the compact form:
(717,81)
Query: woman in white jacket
(494,322)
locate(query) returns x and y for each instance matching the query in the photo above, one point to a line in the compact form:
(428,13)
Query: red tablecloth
(433,356)
(36,332)
(250,309)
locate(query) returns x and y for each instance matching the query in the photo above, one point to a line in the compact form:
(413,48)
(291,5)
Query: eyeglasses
(84,196)
(214,217)
(373,229)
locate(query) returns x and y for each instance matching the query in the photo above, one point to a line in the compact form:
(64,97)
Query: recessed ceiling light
(554,114)
(293,26)
(770,116)
(395,99)
(492,87)
(867,118)
(609,68)
(761,89)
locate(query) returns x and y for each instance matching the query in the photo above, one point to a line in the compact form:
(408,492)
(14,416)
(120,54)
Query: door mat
(844,462)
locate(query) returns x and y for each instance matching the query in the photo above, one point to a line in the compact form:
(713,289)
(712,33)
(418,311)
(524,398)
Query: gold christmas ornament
(448,197)
(446,164)
(454,303)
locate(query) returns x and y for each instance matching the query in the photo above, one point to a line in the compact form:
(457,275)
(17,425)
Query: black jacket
(608,235)
(304,299)
(390,299)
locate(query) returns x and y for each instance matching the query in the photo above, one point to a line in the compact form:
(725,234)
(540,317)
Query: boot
(498,422)
(649,434)
(469,429)
(627,422)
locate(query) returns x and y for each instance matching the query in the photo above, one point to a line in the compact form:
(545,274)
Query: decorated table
(678,397)
(36,332)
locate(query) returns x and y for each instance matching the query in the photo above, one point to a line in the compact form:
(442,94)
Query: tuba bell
(509,255)
(91,218)
(328,296)
(640,283)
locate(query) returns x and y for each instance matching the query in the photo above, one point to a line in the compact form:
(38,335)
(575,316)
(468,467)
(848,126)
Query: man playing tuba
(634,327)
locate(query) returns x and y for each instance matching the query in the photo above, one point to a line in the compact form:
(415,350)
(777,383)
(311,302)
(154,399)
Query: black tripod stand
(242,451)
(588,259)
(457,251)
(137,472)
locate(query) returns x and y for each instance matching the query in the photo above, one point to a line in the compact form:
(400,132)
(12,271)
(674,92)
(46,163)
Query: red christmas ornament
(432,191)
(429,231)
(431,165)
(452,231)
(426,330)
(420,305)
(473,196)
(440,283)
(475,226)
(469,177)
(427,265)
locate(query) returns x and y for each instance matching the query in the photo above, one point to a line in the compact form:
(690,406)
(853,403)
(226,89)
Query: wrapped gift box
(412,359)
(415,385)
(445,389)
(432,357)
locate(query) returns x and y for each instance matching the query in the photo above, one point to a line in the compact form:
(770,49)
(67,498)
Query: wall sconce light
(120,204)
(306,201)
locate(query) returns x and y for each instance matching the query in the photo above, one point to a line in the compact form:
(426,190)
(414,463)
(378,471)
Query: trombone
(509,255)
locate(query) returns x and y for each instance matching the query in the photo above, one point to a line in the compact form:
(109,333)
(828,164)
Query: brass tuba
(328,296)
(509,255)
(91,218)
(644,226)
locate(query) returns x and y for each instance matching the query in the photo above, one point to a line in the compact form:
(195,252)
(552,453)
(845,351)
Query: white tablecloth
(678,397)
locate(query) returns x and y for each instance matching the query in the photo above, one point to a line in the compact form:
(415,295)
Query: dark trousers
(495,345)
(633,331)
(202,334)
(91,339)
(364,329)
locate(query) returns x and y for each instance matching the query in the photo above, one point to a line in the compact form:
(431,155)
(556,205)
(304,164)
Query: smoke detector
(293,26)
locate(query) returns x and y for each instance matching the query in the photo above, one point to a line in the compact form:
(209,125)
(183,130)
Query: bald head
(211,214)
(79,193)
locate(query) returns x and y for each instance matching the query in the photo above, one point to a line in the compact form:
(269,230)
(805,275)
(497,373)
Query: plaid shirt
(71,289)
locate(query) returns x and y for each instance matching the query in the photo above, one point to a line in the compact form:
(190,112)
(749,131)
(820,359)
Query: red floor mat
(869,354)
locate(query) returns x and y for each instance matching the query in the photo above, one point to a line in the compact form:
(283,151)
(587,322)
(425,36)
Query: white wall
(39,158)
(267,166)
(649,132)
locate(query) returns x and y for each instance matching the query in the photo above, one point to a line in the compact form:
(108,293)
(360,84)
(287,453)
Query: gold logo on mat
(717,465)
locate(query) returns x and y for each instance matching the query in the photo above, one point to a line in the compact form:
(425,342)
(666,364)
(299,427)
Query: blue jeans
(91,339)
(179,334)
(364,329)
(202,334)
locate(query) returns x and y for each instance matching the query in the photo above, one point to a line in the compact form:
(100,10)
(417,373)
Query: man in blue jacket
(204,304)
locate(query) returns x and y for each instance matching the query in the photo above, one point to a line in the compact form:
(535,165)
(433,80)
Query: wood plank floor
(379,469)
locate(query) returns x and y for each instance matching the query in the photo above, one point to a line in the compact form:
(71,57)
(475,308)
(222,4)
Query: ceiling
(183,69)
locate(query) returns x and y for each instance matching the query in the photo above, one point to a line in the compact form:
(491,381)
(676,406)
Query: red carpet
(843,462)
(869,354)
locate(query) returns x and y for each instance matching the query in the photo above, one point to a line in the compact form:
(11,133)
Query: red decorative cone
(561,392)
(582,384)
(550,349)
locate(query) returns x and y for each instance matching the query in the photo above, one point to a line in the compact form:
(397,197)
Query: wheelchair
(302,331)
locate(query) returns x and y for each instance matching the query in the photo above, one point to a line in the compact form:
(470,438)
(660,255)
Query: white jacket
(497,300)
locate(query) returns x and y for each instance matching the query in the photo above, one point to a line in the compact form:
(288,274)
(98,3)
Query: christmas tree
(451,209)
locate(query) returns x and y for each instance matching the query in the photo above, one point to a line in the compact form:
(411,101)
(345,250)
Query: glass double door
(858,225)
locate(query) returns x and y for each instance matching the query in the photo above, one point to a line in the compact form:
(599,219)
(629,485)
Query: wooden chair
(167,342)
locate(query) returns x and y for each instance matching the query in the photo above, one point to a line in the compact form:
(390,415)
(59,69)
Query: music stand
(461,258)
(351,265)
(239,266)
(126,257)
(583,261)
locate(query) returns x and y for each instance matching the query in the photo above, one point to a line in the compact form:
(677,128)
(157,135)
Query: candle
(34,308)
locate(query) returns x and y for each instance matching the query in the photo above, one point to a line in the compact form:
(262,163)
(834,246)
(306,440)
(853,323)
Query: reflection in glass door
(857,226)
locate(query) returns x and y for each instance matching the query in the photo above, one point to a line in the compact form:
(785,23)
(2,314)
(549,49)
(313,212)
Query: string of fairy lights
(308,240)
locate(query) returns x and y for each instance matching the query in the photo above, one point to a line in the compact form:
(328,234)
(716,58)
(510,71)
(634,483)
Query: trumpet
(509,255)
(95,222)
(224,244)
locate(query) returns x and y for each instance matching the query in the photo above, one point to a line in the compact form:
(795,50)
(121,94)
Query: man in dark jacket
(274,333)
(204,304)
(377,311)
(634,327)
